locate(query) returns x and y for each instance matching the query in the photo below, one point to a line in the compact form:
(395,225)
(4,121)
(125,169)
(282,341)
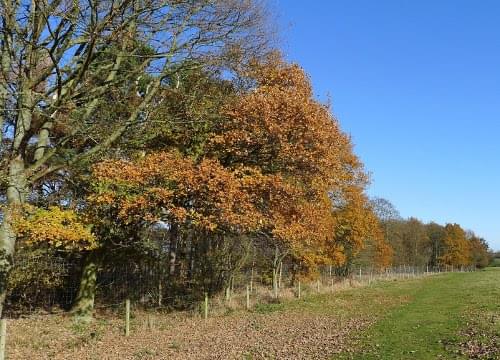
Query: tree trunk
(275,272)
(280,274)
(84,303)
(43,140)
(16,193)
(229,288)
(275,282)
(251,276)
(172,251)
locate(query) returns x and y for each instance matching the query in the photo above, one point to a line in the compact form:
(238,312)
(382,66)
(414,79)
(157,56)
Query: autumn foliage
(457,246)
(277,166)
(269,177)
(166,186)
(57,228)
(431,245)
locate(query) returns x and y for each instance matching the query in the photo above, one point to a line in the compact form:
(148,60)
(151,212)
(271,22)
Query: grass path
(435,322)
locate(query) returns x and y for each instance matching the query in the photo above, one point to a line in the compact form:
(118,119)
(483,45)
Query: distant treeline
(419,244)
(495,259)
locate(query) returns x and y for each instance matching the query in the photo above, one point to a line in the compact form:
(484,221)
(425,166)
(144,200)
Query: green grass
(424,318)
(432,323)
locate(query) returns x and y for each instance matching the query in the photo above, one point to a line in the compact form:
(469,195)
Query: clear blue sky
(417,85)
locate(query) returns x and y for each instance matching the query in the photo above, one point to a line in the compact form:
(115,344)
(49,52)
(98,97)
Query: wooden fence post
(248,297)
(127,317)
(160,293)
(228,293)
(251,280)
(205,307)
(3,337)
(150,322)
(298,294)
(317,285)
(280,274)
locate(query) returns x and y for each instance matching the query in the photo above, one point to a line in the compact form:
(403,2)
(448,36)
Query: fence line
(249,298)
(245,291)
(148,287)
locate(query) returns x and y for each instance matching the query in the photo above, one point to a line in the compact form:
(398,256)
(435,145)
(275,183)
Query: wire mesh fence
(40,284)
